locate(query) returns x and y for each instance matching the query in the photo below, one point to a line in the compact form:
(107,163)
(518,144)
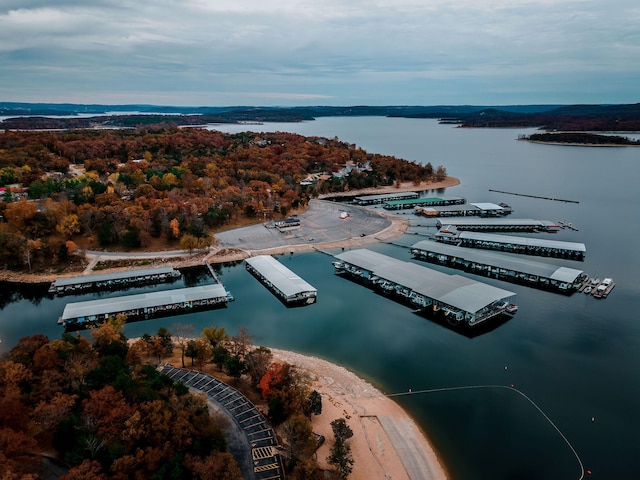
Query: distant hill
(622,117)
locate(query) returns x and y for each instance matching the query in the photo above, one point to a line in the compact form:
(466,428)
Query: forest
(98,408)
(134,188)
(581,138)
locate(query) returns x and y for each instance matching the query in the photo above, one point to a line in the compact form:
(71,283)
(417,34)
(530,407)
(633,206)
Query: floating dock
(107,281)
(499,224)
(512,244)
(466,210)
(501,266)
(384,197)
(282,282)
(422,202)
(460,300)
(143,306)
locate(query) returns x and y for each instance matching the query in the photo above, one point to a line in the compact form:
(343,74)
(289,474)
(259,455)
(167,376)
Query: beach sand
(387,443)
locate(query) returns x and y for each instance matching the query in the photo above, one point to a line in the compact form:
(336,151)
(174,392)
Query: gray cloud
(335,52)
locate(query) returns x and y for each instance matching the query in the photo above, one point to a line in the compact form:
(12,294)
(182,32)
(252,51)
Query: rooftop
(280,276)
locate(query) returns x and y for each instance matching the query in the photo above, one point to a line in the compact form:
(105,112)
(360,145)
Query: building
(282,282)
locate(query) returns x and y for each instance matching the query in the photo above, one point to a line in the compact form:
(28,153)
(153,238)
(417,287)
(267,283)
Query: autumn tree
(68,226)
(257,362)
(298,434)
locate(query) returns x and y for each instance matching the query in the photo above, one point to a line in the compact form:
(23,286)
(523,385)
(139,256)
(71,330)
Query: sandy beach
(387,443)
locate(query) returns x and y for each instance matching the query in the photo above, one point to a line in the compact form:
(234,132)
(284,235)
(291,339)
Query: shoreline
(387,441)
(222,255)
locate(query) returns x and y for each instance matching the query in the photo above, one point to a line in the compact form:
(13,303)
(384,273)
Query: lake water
(576,357)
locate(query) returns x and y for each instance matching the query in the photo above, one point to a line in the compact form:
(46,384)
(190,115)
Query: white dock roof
(280,276)
(111,305)
(454,290)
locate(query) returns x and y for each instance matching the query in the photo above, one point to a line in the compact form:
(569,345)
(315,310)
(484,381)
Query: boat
(511,309)
(587,290)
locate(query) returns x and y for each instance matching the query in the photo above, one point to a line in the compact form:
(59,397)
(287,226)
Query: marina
(143,306)
(288,287)
(484,209)
(421,202)
(499,224)
(501,266)
(106,281)
(513,244)
(461,301)
(384,197)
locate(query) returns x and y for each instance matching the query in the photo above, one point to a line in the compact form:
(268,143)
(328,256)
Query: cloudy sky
(320,52)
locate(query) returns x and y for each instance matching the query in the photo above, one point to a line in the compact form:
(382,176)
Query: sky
(320,52)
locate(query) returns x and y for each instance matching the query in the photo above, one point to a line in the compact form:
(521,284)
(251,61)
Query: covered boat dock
(521,245)
(384,197)
(467,210)
(421,202)
(461,300)
(286,285)
(105,281)
(144,306)
(501,266)
(498,224)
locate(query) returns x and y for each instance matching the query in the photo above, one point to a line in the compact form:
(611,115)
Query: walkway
(259,459)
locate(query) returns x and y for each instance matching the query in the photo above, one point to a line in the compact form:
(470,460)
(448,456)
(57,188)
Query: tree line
(99,405)
(129,188)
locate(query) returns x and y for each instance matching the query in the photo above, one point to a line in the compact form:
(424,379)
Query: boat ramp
(143,306)
(498,224)
(461,301)
(501,266)
(108,281)
(282,282)
(513,244)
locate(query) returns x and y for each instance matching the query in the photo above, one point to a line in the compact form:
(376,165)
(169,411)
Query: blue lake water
(576,357)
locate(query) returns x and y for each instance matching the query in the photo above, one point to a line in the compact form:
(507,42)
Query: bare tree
(181,334)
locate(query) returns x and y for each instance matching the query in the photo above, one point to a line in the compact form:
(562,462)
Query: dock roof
(382,196)
(454,290)
(526,241)
(425,200)
(530,267)
(102,277)
(105,306)
(495,221)
(280,276)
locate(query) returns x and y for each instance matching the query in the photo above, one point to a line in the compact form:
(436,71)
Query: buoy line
(506,387)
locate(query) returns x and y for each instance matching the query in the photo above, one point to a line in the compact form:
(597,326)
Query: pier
(512,244)
(143,306)
(421,202)
(461,301)
(107,281)
(288,287)
(501,266)
(499,224)
(466,210)
(384,197)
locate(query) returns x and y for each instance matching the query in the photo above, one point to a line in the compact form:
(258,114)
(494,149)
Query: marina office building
(501,266)
(460,299)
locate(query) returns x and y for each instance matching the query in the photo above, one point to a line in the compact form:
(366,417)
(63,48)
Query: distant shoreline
(573,144)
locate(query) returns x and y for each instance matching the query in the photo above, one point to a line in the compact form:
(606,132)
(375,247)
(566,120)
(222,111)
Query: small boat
(511,309)
(587,290)
(595,282)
